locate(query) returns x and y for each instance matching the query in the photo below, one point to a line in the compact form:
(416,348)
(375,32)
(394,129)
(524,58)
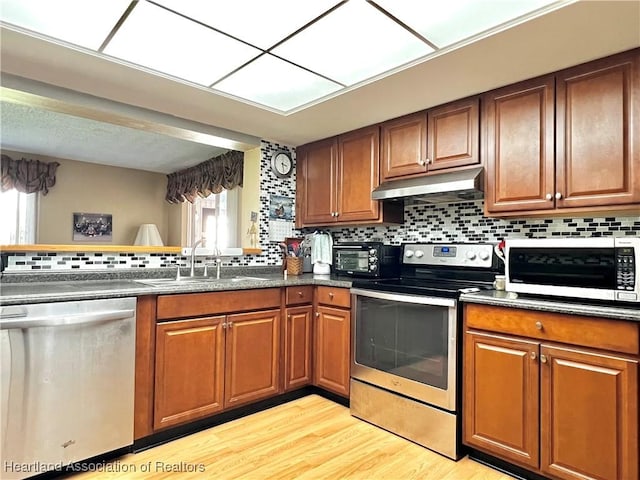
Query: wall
(250,201)
(132,196)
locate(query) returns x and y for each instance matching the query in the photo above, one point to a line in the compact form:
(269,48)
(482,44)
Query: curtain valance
(27,176)
(223,172)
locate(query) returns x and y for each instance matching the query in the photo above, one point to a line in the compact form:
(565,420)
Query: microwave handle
(399,297)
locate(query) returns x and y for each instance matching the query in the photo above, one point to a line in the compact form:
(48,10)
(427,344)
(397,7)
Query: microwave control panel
(625,268)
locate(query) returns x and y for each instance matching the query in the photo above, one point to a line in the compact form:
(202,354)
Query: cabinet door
(589,415)
(357,175)
(404,146)
(501,402)
(598,144)
(316,173)
(297,365)
(333,349)
(453,133)
(189,370)
(252,356)
(518,133)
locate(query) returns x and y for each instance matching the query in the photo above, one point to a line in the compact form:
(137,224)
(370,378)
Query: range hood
(440,188)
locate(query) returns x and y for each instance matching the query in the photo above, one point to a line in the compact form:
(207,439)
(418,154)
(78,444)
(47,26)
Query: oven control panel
(476,255)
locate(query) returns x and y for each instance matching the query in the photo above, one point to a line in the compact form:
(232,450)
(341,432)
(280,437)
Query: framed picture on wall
(92,227)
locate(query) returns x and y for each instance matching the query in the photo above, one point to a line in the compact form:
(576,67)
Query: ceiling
(302,52)
(573,34)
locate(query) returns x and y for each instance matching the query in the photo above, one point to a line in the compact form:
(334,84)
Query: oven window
(566,267)
(404,339)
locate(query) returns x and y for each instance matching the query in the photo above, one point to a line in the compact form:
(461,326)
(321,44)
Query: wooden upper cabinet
(335,180)
(357,175)
(501,417)
(453,134)
(315,183)
(518,133)
(589,415)
(252,357)
(404,146)
(598,133)
(423,142)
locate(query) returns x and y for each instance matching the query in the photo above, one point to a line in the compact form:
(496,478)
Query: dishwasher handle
(65,320)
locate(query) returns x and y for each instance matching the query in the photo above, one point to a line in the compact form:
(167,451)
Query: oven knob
(408,253)
(471,255)
(484,255)
(372,267)
(373,251)
(419,254)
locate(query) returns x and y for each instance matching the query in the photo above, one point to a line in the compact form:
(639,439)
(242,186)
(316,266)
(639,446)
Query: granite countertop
(13,293)
(529,302)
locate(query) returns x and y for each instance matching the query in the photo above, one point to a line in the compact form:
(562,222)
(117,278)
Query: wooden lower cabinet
(252,357)
(333,349)
(501,416)
(588,415)
(297,342)
(206,364)
(562,411)
(189,370)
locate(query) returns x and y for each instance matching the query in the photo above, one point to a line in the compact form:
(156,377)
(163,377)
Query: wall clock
(281,163)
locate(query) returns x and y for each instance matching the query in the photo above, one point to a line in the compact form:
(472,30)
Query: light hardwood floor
(309,438)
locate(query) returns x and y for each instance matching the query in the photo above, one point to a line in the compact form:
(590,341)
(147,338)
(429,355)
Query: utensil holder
(294,265)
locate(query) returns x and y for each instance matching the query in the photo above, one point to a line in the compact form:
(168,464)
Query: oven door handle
(400,297)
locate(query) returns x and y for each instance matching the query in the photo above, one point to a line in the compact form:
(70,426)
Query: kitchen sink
(172,282)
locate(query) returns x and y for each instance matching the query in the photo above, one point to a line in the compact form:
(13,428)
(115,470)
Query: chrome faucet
(193,257)
(218,264)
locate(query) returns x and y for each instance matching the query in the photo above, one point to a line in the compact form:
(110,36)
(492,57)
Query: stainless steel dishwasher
(67,382)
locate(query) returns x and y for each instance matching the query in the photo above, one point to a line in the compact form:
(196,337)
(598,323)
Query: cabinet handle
(337,214)
(300,294)
(317,314)
(548,196)
(429,161)
(331,295)
(533,355)
(558,195)
(422,163)
(230,324)
(224,325)
(289,316)
(543,358)
(539,325)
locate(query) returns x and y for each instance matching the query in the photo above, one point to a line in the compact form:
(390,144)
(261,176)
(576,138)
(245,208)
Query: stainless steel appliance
(591,268)
(67,380)
(366,259)
(405,364)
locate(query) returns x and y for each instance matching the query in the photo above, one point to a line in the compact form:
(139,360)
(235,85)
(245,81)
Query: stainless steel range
(406,356)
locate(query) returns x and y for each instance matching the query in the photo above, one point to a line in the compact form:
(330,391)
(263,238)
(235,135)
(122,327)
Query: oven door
(406,344)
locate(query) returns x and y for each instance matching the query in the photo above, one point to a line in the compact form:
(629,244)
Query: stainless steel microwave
(592,268)
(366,259)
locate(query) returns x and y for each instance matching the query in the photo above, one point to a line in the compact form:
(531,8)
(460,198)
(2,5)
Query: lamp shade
(148,234)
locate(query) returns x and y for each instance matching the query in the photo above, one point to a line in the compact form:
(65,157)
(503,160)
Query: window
(214,219)
(19,212)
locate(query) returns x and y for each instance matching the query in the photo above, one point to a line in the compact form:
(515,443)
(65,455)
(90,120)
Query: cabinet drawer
(198,304)
(601,333)
(336,297)
(299,295)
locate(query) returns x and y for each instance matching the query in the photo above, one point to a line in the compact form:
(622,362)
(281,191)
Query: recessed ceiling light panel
(260,23)
(276,84)
(81,22)
(353,43)
(158,39)
(446,22)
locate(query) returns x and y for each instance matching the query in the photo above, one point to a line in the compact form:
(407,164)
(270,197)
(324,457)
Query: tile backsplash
(461,222)
(465,222)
